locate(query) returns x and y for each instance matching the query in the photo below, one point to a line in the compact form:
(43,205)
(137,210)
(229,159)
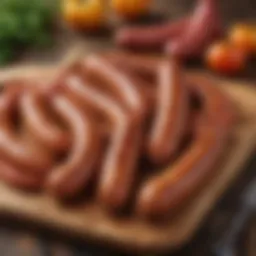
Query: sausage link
(151,37)
(119,166)
(145,87)
(71,176)
(13,176)
(202,30)
(138,64)
(166,193)
(12,147)
(39,121)
(116,82)
(171,106)
(193,122)
(225,111)
(168,126)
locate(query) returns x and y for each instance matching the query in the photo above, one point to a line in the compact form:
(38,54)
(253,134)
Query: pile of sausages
(104,115)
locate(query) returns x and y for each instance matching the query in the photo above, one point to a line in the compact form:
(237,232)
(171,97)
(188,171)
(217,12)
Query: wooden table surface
(23,239)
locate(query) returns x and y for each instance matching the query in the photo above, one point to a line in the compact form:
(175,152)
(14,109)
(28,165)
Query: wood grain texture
(88,220)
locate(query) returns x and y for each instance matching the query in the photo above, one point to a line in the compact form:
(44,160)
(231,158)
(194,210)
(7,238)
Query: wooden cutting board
(89,221)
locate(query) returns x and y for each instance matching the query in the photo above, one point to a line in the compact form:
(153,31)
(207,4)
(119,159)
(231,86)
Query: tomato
(84,15)
(131,8)
(225,58)
(244,37)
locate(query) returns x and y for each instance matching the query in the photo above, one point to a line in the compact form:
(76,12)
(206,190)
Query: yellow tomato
(84,14)
(131,8)
(244,37)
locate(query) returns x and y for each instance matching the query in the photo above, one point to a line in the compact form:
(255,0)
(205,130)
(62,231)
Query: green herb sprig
(23,23)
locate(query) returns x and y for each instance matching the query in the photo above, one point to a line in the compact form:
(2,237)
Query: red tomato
(226,58)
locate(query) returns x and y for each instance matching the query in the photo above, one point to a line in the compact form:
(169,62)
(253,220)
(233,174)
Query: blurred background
(232,10)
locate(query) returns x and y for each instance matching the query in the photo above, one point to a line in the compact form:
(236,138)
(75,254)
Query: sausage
(13,147)
(168,126)
(115,82)
(139,64)
(40,122)
(144,87)
(119,166)
(196,83)
(151,37)
(13,176)
(71,176)
(171,107)
(147,89)
(193,122)
(204,27)
(168,192)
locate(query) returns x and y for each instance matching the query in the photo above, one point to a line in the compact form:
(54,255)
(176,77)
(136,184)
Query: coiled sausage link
(171,190)
(171,105)
(70,177)
(13,147)
(15,177)
(149,37)
(40,122)
(203,28)
(168,126)
(139,64)
(116,82)
(119,166)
